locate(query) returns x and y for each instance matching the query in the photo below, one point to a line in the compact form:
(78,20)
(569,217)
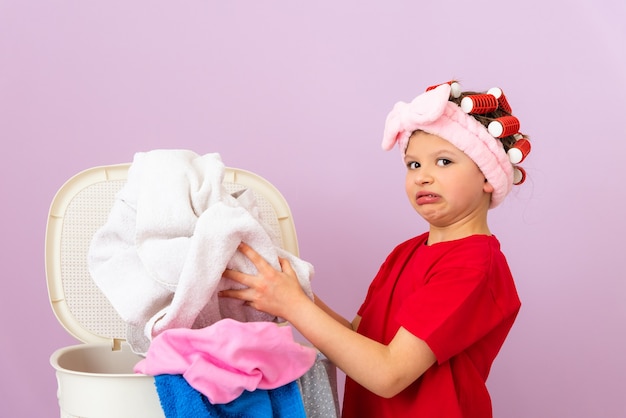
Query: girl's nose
(422,177)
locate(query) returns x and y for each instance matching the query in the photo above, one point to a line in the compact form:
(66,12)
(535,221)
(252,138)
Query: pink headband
(432,112)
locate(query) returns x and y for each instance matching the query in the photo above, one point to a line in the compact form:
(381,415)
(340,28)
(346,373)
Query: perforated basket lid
(80,207)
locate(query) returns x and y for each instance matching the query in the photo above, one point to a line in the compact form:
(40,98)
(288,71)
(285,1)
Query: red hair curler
(504,126)
(455,88)
(479,103)
(519,175)
(519,151)
(503,103)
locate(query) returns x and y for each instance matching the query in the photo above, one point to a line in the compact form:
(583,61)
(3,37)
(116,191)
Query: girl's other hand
(270,290)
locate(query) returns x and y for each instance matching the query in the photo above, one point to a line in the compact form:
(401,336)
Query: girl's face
(445,186)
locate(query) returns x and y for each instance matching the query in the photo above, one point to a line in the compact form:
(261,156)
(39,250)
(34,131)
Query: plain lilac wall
(298,93)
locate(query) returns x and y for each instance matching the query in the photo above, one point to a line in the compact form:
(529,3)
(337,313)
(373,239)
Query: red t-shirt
(457,296)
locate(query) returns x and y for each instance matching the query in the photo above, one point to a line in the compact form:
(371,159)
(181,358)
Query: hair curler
(503,126)
(479,103)
(519,175)
(455,88)
(519,150)
(503,103)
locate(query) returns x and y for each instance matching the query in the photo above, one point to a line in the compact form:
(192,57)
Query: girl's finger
(286,267)
(255,257)
(241,294)
(238,276)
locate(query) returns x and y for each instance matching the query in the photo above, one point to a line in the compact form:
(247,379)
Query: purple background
(298,92)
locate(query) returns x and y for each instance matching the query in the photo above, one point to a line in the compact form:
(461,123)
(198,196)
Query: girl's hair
(486,118)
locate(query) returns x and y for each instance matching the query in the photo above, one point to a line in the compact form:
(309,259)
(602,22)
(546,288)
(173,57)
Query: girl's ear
(487,187)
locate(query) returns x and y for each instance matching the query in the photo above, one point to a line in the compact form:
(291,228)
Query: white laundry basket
(95,378)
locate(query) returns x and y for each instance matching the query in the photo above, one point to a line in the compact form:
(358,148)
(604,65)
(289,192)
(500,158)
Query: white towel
(171,233)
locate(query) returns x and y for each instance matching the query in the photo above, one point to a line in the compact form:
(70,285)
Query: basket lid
(80,207)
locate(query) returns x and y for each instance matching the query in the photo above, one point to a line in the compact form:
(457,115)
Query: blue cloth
(180,400)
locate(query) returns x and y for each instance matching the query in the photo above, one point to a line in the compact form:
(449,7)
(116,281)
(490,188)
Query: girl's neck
(455,232)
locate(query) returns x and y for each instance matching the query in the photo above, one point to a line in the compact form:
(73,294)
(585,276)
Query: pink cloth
(432,112)
(228,357)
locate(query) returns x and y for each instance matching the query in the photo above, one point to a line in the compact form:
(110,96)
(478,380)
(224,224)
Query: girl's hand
(271,291)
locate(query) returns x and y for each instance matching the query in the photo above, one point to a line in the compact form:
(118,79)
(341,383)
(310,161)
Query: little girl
(442,303)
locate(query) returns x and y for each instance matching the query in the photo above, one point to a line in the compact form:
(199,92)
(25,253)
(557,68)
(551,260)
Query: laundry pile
(172,231)
(227,368)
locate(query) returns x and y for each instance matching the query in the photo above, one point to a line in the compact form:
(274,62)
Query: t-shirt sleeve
(454,309)
(375,284)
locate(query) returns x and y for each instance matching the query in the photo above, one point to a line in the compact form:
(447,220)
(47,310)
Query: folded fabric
(229,357)
(318,387)
(171,233)
(179,400)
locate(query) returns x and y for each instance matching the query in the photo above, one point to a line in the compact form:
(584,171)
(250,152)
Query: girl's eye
(443,162)
(412,165)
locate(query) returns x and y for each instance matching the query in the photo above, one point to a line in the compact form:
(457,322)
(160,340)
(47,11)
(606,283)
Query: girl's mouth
(425,198)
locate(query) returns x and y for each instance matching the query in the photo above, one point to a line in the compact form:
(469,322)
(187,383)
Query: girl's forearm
(364,360)
(332,313)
